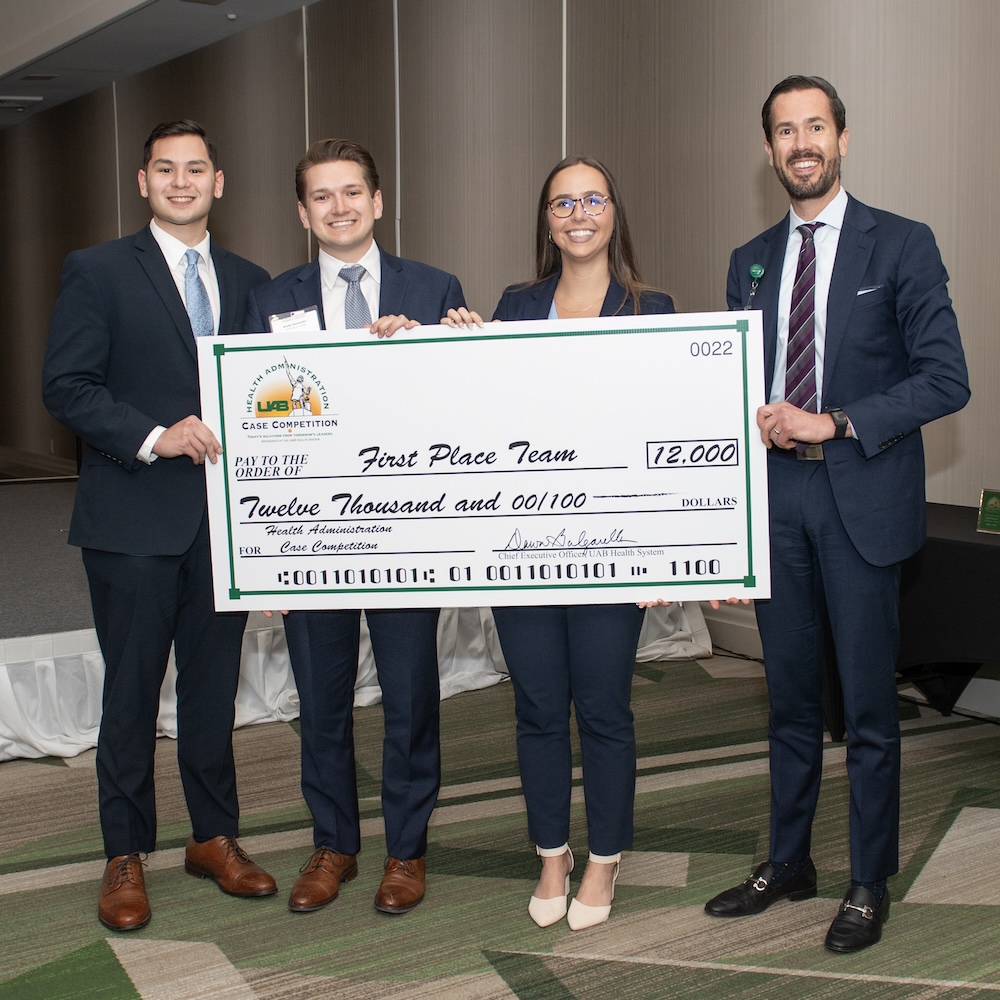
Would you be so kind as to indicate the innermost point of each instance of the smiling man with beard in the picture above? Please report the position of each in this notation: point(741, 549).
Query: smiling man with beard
point(861, 348)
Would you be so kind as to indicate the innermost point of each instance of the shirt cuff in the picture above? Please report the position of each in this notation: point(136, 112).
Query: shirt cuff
point(145, 453)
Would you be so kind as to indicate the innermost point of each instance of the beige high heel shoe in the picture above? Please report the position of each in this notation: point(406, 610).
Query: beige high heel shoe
point(546, 912)
point(580, 915)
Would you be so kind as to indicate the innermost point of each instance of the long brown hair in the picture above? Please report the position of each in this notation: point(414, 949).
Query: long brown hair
point(621, 255)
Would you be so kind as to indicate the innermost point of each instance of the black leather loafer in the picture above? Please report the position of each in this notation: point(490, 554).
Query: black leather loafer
point(759, 891)
point(858, 924)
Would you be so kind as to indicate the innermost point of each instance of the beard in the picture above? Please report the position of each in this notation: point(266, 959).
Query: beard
point(804, 190)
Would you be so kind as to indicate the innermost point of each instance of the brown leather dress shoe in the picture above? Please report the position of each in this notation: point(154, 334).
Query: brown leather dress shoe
point(402, 885)
point(320, 879)
point(227, 864)
point(123, 904)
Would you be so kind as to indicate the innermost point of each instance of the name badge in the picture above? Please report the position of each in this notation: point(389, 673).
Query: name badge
point(298, 321)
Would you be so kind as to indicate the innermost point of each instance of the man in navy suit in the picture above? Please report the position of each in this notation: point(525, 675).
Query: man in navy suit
point(355, 283)
point(846, 489)
point(120, 372)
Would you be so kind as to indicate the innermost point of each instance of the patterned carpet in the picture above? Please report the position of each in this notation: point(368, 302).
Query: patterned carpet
point(701, 822)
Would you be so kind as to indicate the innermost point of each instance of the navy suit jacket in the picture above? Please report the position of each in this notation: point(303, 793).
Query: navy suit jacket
point(416, 290)
point(120, 360)
point(534, 300)
point(893, 361)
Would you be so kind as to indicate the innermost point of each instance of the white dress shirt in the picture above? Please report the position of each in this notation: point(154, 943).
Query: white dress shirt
point(173, 253)
point(335, 287)
point(826, 238)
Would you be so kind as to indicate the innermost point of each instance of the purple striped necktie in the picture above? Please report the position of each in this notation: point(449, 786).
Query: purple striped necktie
point(800, 370)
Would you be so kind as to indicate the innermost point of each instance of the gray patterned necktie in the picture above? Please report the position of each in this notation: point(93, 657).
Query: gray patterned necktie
point(356, 311)
point(199, 309)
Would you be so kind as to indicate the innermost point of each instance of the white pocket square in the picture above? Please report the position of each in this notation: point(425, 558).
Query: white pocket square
point(869, 290)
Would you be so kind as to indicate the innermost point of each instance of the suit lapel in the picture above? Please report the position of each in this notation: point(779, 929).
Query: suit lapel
point(613, 298)
point(227, 290)
point(151, 260)
point(307, 290)
point(393, 287)
point(766, 299)
point(539, 298)
point(854, 252)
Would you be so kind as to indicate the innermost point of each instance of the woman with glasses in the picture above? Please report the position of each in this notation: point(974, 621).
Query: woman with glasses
point(584, 655)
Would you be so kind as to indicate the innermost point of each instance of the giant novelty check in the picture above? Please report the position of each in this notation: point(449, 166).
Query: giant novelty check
point(562, 462)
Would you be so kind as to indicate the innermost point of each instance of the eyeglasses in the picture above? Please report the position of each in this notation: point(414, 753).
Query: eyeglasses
point(592, 204)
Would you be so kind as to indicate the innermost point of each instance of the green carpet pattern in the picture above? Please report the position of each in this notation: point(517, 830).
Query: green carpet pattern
point(701, 824)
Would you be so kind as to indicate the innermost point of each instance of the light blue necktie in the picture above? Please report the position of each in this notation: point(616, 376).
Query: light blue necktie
point(356, 311)
point(199, 309)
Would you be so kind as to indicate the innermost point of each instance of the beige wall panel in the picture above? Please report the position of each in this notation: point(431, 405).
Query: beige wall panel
point(658, 91)
point(668, 92)
point(248, 93)
point(480, 125)
point(670, 96)
point(352, 89)
point(57, 185)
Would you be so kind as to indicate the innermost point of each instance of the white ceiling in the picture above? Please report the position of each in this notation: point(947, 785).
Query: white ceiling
point(85, 44)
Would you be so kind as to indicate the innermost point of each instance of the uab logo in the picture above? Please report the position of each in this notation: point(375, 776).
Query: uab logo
point(272, 406)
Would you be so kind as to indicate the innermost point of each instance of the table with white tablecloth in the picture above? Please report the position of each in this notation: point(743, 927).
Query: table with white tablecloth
point(50, 685)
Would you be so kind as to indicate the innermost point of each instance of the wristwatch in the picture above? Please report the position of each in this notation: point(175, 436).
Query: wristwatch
point(840, 423)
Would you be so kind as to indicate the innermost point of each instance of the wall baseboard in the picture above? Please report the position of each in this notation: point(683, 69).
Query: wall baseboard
point(17, 464)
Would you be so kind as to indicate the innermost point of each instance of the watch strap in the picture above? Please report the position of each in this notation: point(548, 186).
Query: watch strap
point(840, 422)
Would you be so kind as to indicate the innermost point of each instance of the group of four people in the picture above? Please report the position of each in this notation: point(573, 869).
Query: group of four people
point(861, 349)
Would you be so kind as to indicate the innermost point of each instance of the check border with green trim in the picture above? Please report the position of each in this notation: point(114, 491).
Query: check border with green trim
point(557, 462)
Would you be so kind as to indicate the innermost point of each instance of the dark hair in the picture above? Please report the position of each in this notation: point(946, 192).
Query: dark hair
point(330, 150)
point(185, 126)
point(791, 83)
point(621, 255)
